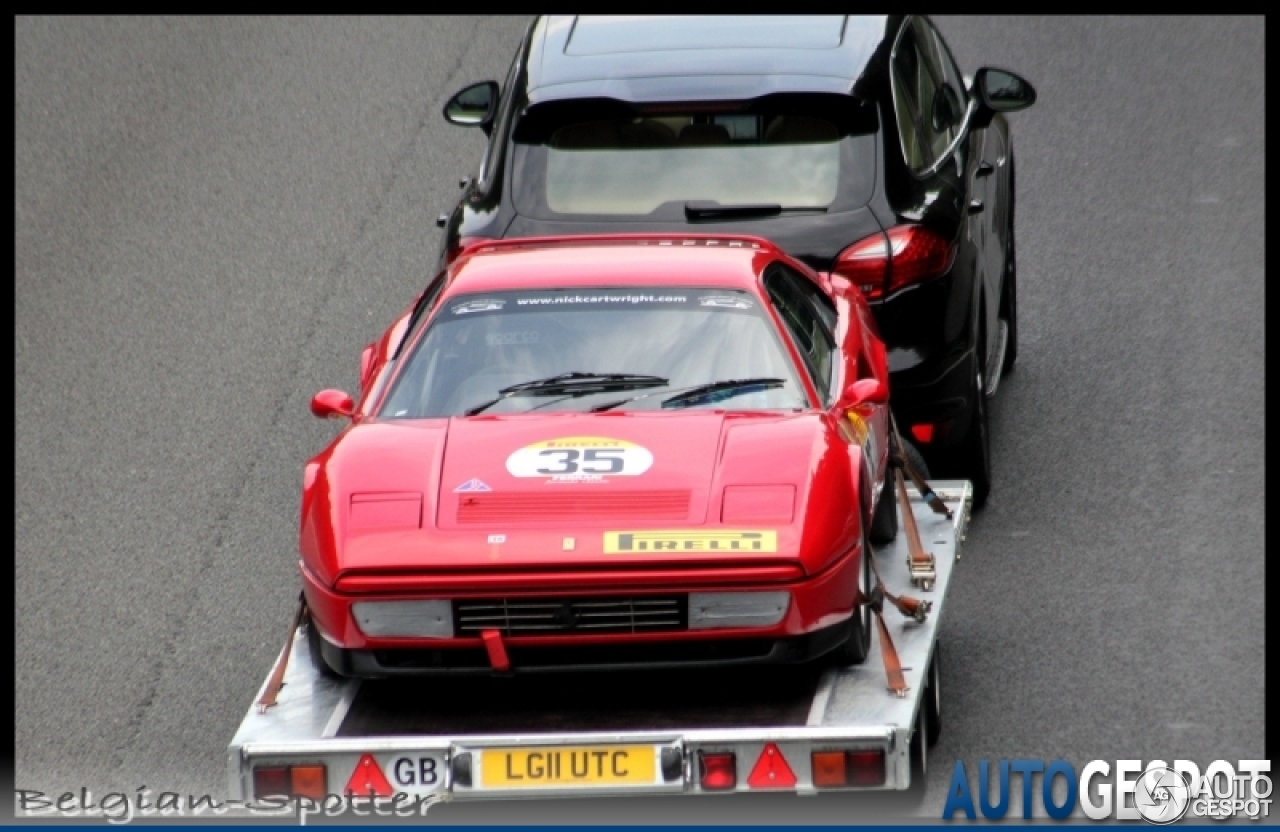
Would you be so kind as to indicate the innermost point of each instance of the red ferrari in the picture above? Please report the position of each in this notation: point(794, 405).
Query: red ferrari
point(604, 452)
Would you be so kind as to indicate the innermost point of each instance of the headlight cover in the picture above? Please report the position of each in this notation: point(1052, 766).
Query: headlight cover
point(404, 619)
point(737, 609)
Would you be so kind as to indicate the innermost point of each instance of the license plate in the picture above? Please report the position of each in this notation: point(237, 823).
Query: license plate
point(582, 767)
point(413, 773)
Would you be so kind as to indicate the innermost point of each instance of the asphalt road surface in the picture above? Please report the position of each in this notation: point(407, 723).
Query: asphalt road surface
point(213, 216)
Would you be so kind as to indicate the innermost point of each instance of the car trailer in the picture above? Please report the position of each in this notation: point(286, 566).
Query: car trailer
point(778, 728)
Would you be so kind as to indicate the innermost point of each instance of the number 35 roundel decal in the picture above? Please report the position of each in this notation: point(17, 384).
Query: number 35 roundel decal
point(580, 457)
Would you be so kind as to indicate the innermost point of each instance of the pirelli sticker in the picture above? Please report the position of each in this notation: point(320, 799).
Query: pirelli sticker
point(658, 542)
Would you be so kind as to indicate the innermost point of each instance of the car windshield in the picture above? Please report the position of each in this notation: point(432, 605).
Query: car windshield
point(652, 164)
point(608, 349)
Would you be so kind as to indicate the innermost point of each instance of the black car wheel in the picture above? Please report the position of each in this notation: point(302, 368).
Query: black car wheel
point(915, 459)
point(884, 523)
point(313, 648)
point(1009, 297)
point(932, 705)
point(919, 754)
point(857, 645)
point(973, 455)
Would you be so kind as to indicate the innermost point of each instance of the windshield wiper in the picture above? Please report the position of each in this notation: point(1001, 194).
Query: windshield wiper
point(720, 390)
point(573, 383)
point(715, 391)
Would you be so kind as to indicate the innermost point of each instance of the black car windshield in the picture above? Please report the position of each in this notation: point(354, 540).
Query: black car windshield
point(629, 164)
point(617, 349)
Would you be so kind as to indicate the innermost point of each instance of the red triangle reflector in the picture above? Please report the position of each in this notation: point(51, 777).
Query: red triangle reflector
point(368, 779)
point(771, 770)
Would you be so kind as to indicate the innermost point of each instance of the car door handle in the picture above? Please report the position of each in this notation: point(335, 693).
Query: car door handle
point(984, 169)
point(975, 206)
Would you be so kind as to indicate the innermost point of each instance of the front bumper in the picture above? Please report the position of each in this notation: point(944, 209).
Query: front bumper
point(652, 655)
point(815, 622)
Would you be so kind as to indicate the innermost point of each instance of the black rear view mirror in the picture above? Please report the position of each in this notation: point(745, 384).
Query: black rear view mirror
point(473, 106)
point(998, 91)
point(1002, 91)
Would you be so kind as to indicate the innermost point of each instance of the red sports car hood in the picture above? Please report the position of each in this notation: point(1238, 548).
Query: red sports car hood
point(586, 473)
point(580, 490)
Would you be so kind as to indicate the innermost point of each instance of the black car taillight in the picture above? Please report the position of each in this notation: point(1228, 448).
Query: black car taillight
point(905, 254)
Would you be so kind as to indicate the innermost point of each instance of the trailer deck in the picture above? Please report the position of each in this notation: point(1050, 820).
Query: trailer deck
point(633, 733)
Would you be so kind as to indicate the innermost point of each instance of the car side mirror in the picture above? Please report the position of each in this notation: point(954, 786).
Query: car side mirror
point(864, 391)
point(474, 106)
point(332, 404)
point(1002, 91)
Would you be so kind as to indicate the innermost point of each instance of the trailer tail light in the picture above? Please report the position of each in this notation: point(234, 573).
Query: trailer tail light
point(904, 255)
point(308, 781)
point(866, 768)
point(290, 781)
point(834, 769)
point(718, 771)
point(271, 782)
point(828, 769)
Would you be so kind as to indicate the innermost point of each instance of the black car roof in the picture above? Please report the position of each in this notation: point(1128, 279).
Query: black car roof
point(688, 58)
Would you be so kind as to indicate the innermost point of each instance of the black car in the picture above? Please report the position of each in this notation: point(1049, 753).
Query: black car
point(854, 143)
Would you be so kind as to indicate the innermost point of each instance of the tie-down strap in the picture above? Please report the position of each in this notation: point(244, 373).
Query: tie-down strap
point(922, 564)
point(899, 459)
point(908, 606)
point(276, 681)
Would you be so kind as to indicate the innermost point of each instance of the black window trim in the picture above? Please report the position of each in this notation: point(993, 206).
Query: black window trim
point(962, 129)
point(495, 154)
point(421, 312)
point(778, 270)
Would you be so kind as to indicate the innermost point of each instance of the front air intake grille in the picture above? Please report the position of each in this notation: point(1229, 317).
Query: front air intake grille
point(573, 504)
point(586, 616)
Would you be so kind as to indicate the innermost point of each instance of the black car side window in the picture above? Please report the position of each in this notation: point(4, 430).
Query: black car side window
point(928, 111)
point(828, 318)
point(951, 74)
point(905, 74)
point(806, 314)
point(947, 111)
